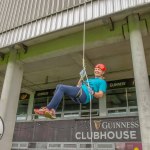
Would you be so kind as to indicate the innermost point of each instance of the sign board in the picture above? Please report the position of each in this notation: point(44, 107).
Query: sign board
point(124, 83)
point(126, 129)
point(109, 129)
point(1, 128)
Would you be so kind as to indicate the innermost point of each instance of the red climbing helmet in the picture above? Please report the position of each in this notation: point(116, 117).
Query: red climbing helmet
point(101, 66)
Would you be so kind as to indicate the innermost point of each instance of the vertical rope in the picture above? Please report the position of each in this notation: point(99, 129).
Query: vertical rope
point(84, 67)
point(83, 59)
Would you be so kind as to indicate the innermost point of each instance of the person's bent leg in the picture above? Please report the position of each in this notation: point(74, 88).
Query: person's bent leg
point(71, 91)
point(58, 95)
point(42, 111)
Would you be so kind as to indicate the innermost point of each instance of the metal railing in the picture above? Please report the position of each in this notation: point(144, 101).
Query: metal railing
point(65, 145)
point(111, 112)
point(122, 111)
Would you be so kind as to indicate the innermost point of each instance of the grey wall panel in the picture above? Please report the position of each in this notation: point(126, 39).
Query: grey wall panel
point(65, 4)
point(33, 10)
point(22, 12)
point(55, 5)
point(117, 5)
point(13, 13)
point(17, 12)
point(3, 6)
point(47, 7)
point(5, 15)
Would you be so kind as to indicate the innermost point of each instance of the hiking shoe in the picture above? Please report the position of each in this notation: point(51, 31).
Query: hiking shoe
point(50, 114)
point(41, 111)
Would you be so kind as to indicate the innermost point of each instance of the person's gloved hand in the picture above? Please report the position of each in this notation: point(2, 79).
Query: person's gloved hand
point(82, 74)
point(91, 91)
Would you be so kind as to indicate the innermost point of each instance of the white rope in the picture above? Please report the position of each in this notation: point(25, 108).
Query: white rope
point(84, 67)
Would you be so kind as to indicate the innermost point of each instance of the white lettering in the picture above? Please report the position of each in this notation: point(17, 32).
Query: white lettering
point(83, 137)
point(111, 133)
point(104, 125)
point(89, 135)
point(96, 135)
point(137, 124)
point(133, 134)
point(78, 133)
point(118, 135)
point(106, 135)
point(103, 135)
point(126, 135)
point(117, 84)
point(116, 125)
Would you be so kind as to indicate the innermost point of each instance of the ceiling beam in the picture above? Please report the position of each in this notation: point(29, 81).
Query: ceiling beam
point(26, 90)
point(78, 58)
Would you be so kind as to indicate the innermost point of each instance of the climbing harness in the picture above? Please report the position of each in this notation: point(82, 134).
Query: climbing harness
point(79, 94)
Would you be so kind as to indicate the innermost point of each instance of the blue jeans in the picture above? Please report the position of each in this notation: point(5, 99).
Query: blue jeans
point(70, 91)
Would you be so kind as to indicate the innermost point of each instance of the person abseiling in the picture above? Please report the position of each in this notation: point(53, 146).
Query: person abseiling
point(82, 93)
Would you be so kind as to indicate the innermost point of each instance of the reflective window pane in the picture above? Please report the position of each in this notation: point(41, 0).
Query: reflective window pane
point(132, 100)
point(40, 102)
point(70, 105)
point(22, 107)
point(116, 98)
point(23, 104)
point(42, 98)
point(95, 103)
point(85, 108)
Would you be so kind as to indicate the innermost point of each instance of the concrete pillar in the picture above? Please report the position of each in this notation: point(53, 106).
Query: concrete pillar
point(9, 99)
point(102, 106)
point(30, 107)
point(141, 79)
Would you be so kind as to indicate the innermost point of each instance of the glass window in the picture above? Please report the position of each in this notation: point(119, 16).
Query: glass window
point(116, 98)
point(23, 104)
point(95, 103)
point(40, 102)
point(71, 109)
point(132, 100)
point(70, 105)
point(22, 107)
point(42, 98)
point(86, 107)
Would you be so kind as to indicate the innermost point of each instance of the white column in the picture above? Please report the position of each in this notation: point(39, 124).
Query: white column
point(102, 106)
point(30, 106)
point(9, 99)
point(141, 79)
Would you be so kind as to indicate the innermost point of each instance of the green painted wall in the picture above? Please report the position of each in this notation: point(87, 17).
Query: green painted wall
point(101, 33)
point(96, 34)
